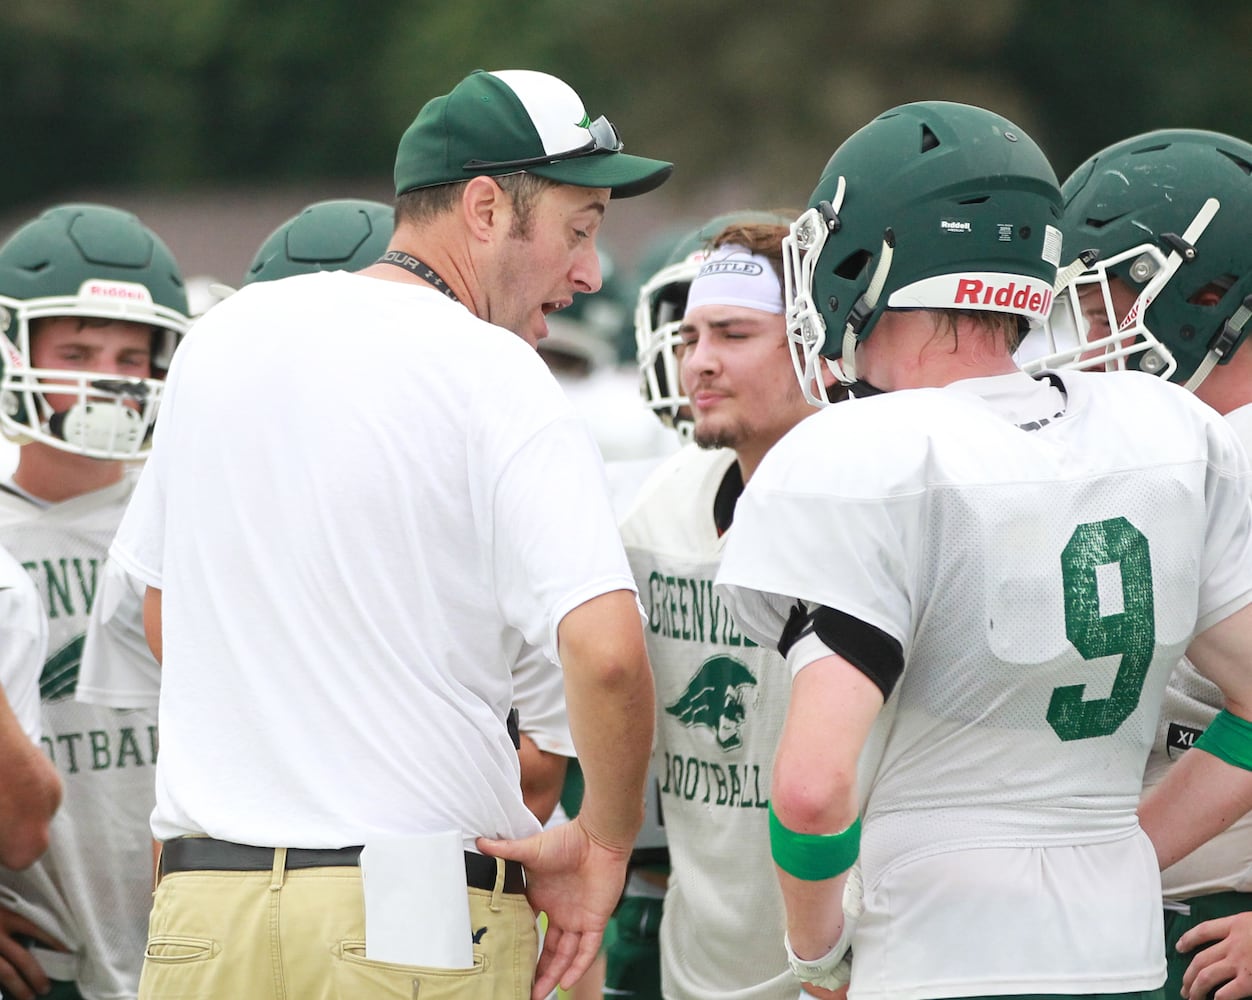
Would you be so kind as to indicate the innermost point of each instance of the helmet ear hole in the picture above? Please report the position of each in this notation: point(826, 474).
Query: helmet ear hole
point(854, 265)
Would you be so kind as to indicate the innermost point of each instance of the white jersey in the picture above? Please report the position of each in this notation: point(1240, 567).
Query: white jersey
point(118, 668)
point(23, 644)
point(539, 697)
point(354, 537)
point(1043, 559)
point(721, 700)
point(1223, 864)
point(93, 887)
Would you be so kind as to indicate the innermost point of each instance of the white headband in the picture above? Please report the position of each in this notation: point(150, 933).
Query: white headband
point(735, 276)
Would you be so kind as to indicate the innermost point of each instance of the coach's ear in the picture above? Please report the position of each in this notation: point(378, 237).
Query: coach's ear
point(486, 209)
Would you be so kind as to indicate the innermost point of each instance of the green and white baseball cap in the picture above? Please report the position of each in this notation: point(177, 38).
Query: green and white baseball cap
point(507, 121)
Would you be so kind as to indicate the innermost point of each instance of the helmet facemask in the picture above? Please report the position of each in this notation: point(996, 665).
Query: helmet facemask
point(1122, 338)
point(88, 263)
point(806, 327)
point(108, 416)
point(1166, 212)
point(658, 320)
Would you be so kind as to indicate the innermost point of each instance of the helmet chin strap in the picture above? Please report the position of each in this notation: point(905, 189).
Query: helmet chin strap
point(1222, 345)
point(1084, 262)
point(865, 305)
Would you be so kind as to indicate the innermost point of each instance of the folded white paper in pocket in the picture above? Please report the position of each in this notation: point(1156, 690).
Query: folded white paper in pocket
point(416, 906)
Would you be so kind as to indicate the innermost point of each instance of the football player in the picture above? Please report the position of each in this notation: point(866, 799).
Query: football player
point(95, 306)
point(982, 580)
point(720, 697)
point(345, 234)
point(1170, 293)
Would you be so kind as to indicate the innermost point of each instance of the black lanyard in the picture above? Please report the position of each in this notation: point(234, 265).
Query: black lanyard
point(423, 271)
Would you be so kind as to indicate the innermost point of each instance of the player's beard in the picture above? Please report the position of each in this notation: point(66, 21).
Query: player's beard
point(719, 435)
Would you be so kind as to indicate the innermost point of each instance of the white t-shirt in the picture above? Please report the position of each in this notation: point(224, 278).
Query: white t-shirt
point(994, 528)
point(362, 501)
point(118, 668)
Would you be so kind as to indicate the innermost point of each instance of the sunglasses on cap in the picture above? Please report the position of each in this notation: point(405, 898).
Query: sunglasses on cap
point(604, 139)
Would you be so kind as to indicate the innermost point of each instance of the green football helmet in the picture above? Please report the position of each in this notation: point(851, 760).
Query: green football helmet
point(1166, 214)
point(341, 235)
point(94, 262)
point(659, 309)
point(930, 206)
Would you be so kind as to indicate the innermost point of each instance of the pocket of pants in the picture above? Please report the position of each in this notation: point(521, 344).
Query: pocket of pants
point(166, 949)
point(357, 976)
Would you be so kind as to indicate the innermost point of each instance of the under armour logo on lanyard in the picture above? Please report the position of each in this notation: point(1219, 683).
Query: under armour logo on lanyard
point(424, 271)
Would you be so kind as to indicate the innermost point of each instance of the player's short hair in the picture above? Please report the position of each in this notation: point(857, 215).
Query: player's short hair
point(763, 238)
point(996, 325)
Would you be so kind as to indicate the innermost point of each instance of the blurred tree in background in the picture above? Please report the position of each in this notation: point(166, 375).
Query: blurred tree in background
point(172, 95)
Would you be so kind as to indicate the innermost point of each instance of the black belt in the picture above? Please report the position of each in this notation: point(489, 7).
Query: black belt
point(204, 854)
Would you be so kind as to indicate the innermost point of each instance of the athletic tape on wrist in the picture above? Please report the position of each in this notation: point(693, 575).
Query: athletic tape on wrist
point(813, 856)
point(1229, 738)
point(832, 971)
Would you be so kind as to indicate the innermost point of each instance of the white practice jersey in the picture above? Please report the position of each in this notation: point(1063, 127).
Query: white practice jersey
point(23, 644)
point(721, 700)
point(1044, 561)
point(118, 668)
point(1224, 864)
point(539, 698)
point(93, 888)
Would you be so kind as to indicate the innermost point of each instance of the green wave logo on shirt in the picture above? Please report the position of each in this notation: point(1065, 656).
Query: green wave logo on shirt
point(60, 673)
point(718, 697)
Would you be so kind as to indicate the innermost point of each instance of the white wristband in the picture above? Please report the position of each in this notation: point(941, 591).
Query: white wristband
point(832, 971)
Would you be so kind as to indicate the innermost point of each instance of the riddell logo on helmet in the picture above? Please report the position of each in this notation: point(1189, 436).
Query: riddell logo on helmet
point(116, 291)
point(1024, 297)
point(982, 290)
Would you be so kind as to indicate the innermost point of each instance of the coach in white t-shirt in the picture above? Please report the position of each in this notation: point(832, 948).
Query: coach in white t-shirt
point(367, 491)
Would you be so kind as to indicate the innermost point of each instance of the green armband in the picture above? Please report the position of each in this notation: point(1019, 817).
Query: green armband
point(1229, 738)
point(813, 856)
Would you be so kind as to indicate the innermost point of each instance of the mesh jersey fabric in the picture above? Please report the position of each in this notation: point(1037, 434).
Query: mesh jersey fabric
point(985, 525)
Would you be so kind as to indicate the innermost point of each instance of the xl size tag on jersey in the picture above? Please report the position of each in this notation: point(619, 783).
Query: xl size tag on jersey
point(1179, 739)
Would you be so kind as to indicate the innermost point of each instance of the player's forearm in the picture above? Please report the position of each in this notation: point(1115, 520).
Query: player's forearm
point(29, 794)
point(814, 913)
point(814, 907)
point(1199, 798)
point(609, 696)
point(813, 794)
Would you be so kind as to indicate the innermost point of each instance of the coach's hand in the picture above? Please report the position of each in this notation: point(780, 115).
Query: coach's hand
point(576, 880)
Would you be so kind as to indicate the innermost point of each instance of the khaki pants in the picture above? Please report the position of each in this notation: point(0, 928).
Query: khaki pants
point(300, 935)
